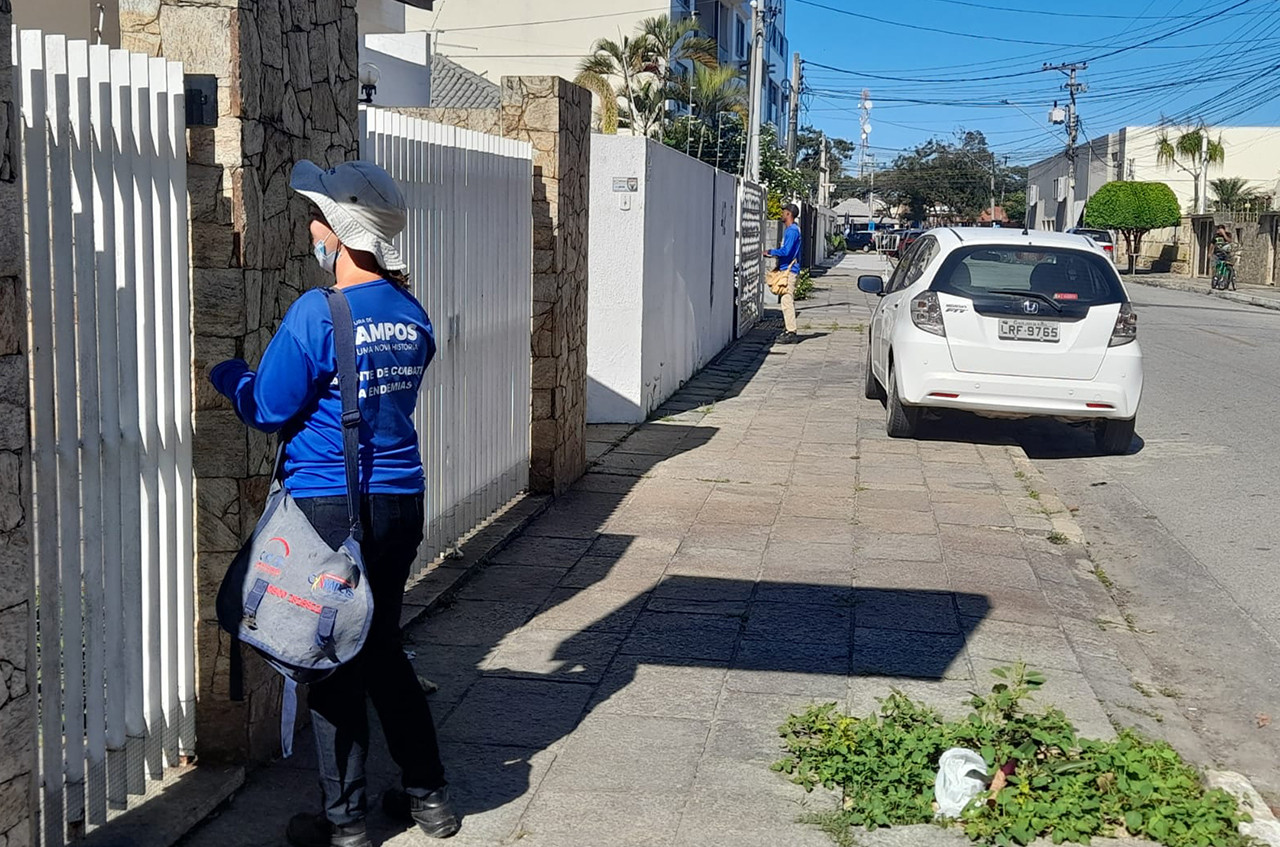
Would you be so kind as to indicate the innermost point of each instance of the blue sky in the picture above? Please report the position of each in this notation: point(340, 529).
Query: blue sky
point(1217, 61)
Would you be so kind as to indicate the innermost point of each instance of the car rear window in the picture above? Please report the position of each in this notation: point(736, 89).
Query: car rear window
point(1066, 276)
point(1096, 234)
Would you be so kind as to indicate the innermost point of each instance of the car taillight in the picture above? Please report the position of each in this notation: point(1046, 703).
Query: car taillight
point(1108, 247)
point(1126, 326)
point(926, 313)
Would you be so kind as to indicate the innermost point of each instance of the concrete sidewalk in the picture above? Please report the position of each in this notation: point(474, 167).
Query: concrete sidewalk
point(616, 675)
point(1262, 296)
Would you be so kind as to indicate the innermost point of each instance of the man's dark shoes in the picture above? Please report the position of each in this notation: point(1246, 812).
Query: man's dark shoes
point(788, 338)
point(308, 830)
point(432, 813)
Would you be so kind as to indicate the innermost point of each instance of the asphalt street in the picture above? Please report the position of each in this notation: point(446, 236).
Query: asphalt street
point(1186, 527)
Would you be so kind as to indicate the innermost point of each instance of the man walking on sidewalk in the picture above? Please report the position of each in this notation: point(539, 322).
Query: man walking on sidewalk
point(788, 255)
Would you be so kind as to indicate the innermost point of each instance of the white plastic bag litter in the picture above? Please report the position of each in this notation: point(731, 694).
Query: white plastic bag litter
point(962, 775)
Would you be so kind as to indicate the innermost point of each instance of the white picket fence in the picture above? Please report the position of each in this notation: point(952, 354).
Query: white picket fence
point(469, 245)
point(104, 154)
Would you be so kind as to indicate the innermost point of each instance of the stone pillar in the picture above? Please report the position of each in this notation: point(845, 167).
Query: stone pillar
point(554, 115)
point(287, 90)
point(17, 703)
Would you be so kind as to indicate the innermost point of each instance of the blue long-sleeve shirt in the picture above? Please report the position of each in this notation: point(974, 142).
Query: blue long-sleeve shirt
point(295, 389)
point(789, 253)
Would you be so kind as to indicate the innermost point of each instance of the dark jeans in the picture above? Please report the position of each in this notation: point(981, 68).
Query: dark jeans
point(392, 532)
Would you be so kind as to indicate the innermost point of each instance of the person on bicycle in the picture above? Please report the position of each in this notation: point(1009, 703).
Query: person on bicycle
point(1225, 249)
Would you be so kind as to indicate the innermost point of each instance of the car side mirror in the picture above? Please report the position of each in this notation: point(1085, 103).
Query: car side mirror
point(871, 284)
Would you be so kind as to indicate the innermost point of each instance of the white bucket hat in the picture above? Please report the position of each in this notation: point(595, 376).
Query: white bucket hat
point(361, 203)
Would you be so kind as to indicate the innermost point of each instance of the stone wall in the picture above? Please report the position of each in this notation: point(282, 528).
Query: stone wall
point(553, 115)
point(17, 702)
point(286, 73)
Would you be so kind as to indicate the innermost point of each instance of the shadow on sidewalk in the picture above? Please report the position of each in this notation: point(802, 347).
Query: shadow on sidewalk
point(1039, 438)
point(609, 636)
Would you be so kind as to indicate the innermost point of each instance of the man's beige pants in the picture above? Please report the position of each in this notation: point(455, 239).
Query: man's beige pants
point(789, 303)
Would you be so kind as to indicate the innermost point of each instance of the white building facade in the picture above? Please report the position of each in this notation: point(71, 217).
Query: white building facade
point(1252, 153)
point(497, 38)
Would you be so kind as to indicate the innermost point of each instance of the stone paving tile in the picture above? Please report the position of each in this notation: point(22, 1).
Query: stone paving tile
point(594, 818)
point(817, 670)
point(796, 556)
point(683, 636)
point(568, 655)
point(784, 622)
point(1063, 689)
point(491, 787)
point(582, 609)
point(748, 504)
point(825, 530)
point(832, 502)
point(1042, 647)
point(904, 547)
point(612, 574)
point(511, 584)
point(726, 536)
point(988, 542)
point(474, 622)
point(972, 515)
point(548, 711)
point(1007, 604)
point(542, 552)
point(917, 611)
point(919, 655)
point(889, 500)
point(660, 687)
point(974, 571)
point(716, 563)
point(890, 573)
point(894, 521)
point(804, 588)
point(618, 752)
point(950, 697)
point(702, 589)
point(714, 818)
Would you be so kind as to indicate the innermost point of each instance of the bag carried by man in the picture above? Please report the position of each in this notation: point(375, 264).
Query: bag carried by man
point(779, 281)
point(303, 606)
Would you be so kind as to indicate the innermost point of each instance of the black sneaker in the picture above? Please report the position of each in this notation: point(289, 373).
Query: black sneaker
point(309, 830)
point(432, 813)
point(787, 338)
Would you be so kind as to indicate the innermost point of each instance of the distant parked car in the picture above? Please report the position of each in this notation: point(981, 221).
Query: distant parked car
point(905, 240)
point(860, 240)
point(1006, 325)
point(1098, 236)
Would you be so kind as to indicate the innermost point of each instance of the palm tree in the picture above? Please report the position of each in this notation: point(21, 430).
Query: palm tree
point(1232, 191)
point(646, 65)
point(1186, 148)
point(712, 92)
point(626, 59)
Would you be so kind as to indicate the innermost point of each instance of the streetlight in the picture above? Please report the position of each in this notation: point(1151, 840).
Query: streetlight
point(369, 77)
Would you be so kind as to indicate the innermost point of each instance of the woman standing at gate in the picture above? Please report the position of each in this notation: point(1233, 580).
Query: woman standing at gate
point(358, 210)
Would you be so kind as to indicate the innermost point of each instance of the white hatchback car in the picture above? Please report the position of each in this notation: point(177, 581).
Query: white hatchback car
point(1005, 323)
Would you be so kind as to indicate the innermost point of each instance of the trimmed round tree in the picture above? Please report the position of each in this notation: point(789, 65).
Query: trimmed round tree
point(1133, 209)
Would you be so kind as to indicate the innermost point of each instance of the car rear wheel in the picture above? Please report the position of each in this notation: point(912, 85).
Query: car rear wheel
point(866, 248)
point(871, 386)
point(1113, 437)
point(900, 421)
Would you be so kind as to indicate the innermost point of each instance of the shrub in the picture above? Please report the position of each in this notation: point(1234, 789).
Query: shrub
point(804, 285)
point(1134, 209)
point(1059, 785)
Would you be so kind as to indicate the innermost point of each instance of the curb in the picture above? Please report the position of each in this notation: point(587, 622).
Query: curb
point(1265, 828)
point(1192, 288)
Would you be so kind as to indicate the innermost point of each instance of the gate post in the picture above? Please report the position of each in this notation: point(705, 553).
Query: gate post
point(287, 90)
point(17, 704)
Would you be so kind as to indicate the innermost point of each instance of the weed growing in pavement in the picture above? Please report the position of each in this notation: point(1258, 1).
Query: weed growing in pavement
point(1103, 577)
point(1019, 475)
point(1046, 780)
point(1033, 494)
point(1056, 537)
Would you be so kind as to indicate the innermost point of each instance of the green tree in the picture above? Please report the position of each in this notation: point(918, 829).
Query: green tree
point(784, 183)
point(1183, 152)
point(720, 142)
point(634, 76)
point(950, 181)
point(840, 151)
point(1232, 191)
point(1133, 209)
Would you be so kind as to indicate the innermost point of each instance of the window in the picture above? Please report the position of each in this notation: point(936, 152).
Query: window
point(913, 263)
point(1063, 276)
point(740, 38)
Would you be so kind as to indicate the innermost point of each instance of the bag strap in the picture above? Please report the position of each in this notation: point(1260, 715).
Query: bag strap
point(344, 343)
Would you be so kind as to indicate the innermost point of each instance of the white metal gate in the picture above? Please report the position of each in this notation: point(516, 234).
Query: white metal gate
point(750, 281)
point(104, 171)
point(469, 245)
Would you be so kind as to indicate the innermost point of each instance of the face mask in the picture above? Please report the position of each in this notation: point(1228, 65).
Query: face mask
point(326, 259)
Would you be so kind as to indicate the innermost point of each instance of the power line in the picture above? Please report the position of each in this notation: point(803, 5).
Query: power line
point(555, 20)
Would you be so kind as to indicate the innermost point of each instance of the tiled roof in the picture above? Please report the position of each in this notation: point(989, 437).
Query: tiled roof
point(455, 87)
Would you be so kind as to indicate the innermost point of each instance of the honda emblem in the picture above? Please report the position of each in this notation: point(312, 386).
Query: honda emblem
point(1030, 307)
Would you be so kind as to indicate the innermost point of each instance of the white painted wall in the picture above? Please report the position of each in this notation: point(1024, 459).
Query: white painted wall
point(660, 303)
point(404, 62)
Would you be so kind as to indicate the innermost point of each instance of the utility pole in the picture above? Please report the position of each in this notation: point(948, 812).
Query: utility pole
point(823, 184)
point(871, 196)
point(1073, 126)
point(864, 119)
point(755, 88)
point(793, 113)
point(1202, 184)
